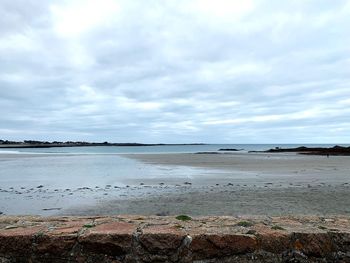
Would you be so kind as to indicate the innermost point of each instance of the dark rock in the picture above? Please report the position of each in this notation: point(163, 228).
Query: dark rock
point(209, 246)
point(336, 150)
point(230, 150)
point(114, 238)
point(161, 239)
point(207, 153)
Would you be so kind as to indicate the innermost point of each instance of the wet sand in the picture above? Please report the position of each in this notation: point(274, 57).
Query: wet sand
point(241, 184)
point(195, 184)
point(262, 163)
point(228, 200)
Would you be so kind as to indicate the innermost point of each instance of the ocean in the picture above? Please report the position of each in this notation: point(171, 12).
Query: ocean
point(158, 149)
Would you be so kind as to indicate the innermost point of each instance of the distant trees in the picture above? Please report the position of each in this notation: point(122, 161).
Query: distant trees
point(7, 142)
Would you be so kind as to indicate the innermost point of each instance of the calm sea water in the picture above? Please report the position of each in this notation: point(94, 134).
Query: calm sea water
point(159, 149)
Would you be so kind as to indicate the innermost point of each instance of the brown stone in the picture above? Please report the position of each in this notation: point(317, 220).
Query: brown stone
point(274, 241)
point(209, 246)
point(161, 239)
point(313, 244)
point(68, 228)
point(165, 239)
point(18, 240)
point(113, 238)
point(54, 245)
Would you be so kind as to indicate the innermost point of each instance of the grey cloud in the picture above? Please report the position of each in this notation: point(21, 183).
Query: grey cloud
point(174, 71)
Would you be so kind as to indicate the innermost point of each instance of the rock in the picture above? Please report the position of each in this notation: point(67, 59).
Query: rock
point(207, 153)
point(230, 150)
point(53, 208)
point(161, 239)
point(209, 246)
point(131, 239)
point(311, 244)
point(113, 238)
point(336, 150)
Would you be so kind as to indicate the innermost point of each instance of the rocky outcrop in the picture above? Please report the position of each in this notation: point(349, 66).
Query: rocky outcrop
point(166, 239)
point(230, 150)
point(336, 150)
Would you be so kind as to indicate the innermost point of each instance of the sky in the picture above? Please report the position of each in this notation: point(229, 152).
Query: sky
point(175, 71)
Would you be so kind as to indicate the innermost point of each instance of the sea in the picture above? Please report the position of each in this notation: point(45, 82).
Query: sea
point(158, 149)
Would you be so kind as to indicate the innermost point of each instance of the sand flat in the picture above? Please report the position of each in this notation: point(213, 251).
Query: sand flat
point(170, 184)
point(292, 167)
point(276, 163)
point(250, 184)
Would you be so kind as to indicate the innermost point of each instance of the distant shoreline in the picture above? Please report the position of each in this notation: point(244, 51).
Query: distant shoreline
point(37, 144)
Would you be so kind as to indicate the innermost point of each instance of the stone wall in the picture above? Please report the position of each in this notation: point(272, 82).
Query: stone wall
point(167, 239)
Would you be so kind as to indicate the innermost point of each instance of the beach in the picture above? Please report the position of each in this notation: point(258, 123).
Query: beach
point(250, 184)
point(174, 183)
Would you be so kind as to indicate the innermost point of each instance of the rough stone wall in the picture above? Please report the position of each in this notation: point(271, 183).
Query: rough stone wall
point(167, 239)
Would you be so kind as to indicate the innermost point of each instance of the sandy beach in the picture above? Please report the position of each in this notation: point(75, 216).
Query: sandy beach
point(170, 184)
point(241, 184)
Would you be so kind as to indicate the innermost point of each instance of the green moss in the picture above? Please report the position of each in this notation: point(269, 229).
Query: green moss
point(322, 227)
point(183, 217)
point(245, 223)
point(276, 227)
point(89, 225)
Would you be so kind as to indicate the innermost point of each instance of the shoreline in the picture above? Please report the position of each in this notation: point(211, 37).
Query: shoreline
point(197, 184)
point(19, 145)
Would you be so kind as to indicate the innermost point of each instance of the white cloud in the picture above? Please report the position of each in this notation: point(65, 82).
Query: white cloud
point(77, 17)
point(223, 9)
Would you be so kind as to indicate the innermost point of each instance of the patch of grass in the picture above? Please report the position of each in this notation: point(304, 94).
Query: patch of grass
point(140, 218)
point(276, 227)
point(183, 217)
point(322, 227)
point(89, 225)
point(245, 223)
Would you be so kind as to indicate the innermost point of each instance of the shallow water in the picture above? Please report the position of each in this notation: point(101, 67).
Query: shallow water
point(73, 171)
point(37, 184)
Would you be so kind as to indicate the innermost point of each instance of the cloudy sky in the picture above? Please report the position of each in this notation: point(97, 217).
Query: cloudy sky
point(252, 71)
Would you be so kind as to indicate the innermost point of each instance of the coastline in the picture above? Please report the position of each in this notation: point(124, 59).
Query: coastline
point(249, 184)
point(196, 184)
